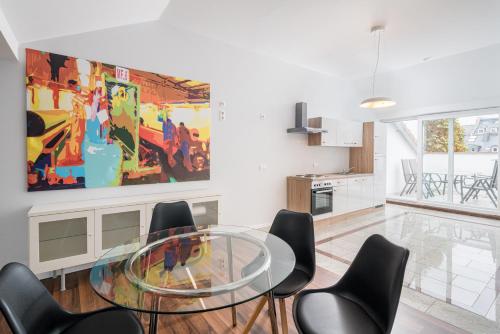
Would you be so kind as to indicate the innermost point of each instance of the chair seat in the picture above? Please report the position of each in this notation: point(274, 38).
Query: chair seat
point(324, 312)
point(112, 321)
point(295, 282)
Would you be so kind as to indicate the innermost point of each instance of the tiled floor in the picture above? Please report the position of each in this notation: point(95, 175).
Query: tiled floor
point(453, 271)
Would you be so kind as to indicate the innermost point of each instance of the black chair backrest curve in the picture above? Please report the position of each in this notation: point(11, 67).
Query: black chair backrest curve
point(375, 279)
point(25, 302)
point(171, 215)
point(297, 229)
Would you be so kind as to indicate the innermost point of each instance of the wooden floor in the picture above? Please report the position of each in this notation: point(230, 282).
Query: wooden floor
point(79, 297)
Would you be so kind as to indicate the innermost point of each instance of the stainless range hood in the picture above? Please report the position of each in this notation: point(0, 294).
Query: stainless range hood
point(301, 121)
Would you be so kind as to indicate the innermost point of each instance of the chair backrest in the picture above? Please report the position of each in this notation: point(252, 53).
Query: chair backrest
point(413, 166)
point(168, 216)
point(494, 175)
point(25, 302)
point(375, 279)
point(297, 230)
point(406, 169)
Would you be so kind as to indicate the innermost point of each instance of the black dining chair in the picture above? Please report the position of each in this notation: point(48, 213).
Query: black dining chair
point(29, 308)
point(365, 299)
point(297, 230)
point(170, 215)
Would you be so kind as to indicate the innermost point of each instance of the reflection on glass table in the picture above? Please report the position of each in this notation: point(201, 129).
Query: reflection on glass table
point(190, 270)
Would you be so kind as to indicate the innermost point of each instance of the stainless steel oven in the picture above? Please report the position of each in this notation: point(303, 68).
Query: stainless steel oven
point(321, 197)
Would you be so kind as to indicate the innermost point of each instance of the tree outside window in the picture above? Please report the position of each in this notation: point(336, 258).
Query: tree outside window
point(436, 136)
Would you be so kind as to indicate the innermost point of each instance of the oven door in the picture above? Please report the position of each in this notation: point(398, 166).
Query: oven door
point(321, 201)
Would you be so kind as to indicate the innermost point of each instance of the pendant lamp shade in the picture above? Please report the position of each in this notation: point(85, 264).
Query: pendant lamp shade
point(376, 102)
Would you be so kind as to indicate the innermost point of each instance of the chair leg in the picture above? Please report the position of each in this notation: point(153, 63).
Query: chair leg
point(284, 322)
point(255, 314)
point(233, 314)
point(404, 189)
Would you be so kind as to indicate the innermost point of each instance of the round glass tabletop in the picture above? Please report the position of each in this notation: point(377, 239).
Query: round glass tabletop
point(189, 270)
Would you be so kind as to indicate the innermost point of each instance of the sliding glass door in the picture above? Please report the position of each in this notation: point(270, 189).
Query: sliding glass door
point(455, 161)
point(435, 148)
point(476, 161)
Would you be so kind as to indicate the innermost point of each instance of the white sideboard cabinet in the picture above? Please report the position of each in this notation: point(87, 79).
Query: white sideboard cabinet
point(73, 234)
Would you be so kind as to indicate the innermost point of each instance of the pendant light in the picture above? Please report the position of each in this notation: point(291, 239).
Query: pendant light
point(376, 102)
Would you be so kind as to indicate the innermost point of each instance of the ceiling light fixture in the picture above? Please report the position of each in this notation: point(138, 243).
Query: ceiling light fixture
point(376, 102)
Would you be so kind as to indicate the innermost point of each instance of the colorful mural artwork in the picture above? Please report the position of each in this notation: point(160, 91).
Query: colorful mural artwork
point(92, 124)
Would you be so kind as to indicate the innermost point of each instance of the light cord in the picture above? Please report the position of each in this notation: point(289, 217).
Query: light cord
point(376, 64)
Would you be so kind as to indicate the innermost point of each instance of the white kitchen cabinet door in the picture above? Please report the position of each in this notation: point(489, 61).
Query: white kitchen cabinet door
point(379, 172)
point(379, 139)
point(329, 138)
point(356, 134)
point(355, 197)
point(349, 134)
point(367, 192)
point(340, 199)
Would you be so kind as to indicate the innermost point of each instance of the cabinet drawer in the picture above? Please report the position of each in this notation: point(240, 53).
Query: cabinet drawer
point(340, 182)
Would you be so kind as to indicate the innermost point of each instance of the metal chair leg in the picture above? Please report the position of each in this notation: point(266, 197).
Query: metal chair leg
point(255, 314)
point(284, 322)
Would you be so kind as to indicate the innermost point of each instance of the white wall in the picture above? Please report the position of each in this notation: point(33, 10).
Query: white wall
point(248, 83)
point(467, 80)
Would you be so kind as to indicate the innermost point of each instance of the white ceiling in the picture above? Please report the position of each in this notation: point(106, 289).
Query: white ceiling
point(330, 36)
point(333, 35)
point(41, 19)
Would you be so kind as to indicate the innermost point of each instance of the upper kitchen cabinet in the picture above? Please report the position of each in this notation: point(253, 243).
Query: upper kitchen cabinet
point(342, 133)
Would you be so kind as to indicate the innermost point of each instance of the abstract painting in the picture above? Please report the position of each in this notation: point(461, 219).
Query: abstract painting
point(92, 124)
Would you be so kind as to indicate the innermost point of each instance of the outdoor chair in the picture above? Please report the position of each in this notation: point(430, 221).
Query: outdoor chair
point(481, 183)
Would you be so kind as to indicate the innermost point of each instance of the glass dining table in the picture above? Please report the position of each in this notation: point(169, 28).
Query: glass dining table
point(193, 269)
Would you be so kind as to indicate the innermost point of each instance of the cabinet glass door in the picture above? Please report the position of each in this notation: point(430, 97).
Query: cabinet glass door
point(62, 238)
point(117, 228)
point(118, 225)
point(206, 212)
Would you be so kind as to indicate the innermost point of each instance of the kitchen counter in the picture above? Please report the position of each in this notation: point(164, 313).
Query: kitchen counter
point(328, 176)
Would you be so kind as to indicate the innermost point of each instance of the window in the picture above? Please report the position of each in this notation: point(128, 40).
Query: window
point(454, 150)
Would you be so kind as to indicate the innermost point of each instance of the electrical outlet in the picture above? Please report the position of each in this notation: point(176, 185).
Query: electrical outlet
point(222, 115)
point(222, 110)
point(262, 167)
point(262, 116)
point(315, 164)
